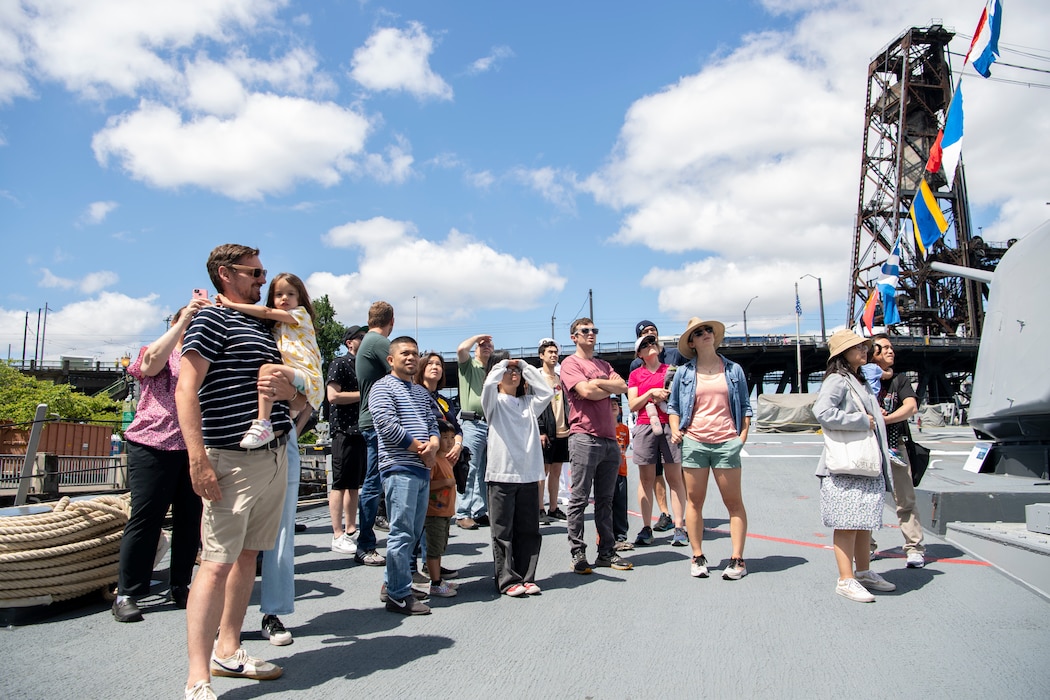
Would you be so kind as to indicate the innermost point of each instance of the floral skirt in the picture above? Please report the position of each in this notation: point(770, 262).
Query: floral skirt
point(851, 502)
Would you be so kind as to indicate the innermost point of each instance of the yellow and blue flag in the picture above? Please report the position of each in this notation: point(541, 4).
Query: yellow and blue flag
point(927, 220)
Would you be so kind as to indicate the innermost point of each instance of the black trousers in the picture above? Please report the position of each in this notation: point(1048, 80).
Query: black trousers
point(620, 521)
point(158, 479)
point(514, 513)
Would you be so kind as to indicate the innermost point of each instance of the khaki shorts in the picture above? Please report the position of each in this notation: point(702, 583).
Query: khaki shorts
point(248, 516)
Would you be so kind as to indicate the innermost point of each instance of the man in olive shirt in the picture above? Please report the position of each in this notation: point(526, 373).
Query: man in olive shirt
point(371, 365)
point(472, 505)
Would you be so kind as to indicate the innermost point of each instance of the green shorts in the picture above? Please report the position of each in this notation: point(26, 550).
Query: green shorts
point(704, 455)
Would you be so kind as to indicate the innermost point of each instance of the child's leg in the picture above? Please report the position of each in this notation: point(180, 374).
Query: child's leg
point(265, 399)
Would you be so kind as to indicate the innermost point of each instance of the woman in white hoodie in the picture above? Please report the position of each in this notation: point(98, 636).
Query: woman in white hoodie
point(514, 468)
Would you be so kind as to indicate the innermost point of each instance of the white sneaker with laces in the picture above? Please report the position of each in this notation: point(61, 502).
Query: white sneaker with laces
point(260, 433)
point(916, 560)
point(344, 544)
point(873, 582)
point(851, 588)
point(698, 567)
point(201, 690)
point(240, 665)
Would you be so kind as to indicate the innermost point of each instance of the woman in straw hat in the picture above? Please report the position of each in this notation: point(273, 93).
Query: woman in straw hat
point(710, 414)
point(851, 504)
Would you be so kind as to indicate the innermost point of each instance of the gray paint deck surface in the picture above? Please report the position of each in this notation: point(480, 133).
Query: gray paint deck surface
point(957, 628)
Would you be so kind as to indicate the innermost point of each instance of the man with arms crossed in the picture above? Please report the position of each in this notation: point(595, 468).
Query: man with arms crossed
point(243, 490)
point(472, 507)
point(407, 431)
point(593, 451)
point(349, 450)
point(372, 365)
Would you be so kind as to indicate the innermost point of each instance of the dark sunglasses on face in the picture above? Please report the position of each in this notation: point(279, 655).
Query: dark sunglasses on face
point(586, 331)
point(703, 329)
point(648, 342)
point(255, 271)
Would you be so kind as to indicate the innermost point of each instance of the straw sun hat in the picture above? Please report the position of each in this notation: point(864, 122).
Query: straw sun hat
point(841, 341)
point(694, 323)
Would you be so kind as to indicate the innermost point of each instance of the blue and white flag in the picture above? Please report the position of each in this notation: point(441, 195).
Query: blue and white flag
point(887, 285)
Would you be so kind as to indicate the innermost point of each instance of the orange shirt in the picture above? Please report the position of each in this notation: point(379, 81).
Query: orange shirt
point(623, 436)
point(443, 499)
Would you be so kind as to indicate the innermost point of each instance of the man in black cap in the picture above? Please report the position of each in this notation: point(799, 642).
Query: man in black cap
point(672, 357)
point(349, 450)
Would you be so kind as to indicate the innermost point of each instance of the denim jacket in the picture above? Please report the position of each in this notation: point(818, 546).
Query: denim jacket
point(683, 393)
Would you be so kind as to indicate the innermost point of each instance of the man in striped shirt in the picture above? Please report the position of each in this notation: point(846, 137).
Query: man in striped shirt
point(407, 434)
point(243, 490)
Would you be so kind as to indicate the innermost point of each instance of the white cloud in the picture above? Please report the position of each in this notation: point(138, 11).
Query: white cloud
point(490, 62)
point(270, 144)
point(97, 212)
point(97, 281)
point(51, 280)
point(399, 60)
point(115, 46)
point(378, 232)
point(555, 185)
point(104, 327)
point(13, 80)
point(749, 168)
point(396, 265)
point(91, 283)
point(396, 167)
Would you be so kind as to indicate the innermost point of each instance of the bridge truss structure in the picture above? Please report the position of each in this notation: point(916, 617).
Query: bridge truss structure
point(909, 90)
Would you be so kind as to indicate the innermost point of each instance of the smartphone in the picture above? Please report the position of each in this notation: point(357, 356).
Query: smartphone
point(200, 294)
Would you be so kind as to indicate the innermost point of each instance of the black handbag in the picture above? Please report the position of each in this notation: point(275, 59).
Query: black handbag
point(919, 457)
point(460, 470)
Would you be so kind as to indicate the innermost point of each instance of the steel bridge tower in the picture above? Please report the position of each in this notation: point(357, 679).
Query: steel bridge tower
point(909, 90)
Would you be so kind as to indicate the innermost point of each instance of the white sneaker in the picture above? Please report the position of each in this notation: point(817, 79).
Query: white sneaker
point(851, 588)
point(344, 544)
point(698, 567)
point(916, 560)
point(201, 690)
point(260, 433)
point(873, 582)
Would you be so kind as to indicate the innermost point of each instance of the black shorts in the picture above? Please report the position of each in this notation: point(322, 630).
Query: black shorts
point(557, 451)
point(349, 460)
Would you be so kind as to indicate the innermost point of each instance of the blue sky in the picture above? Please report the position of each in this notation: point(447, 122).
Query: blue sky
point(488, 164)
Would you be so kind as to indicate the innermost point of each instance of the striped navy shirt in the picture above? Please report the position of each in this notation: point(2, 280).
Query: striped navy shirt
point(401, 412)
point(236, 346)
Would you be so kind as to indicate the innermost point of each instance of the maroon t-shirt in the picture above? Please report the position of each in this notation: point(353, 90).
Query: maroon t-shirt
point(585, 416)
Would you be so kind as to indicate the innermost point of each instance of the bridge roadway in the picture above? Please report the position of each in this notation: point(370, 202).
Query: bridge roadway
point(955, 629)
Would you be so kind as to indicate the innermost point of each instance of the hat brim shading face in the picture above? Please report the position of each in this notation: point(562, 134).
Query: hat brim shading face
point(841, 341)
point(694, 323)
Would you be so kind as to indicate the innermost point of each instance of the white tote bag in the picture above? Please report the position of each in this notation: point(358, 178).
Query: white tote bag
point(852, 451)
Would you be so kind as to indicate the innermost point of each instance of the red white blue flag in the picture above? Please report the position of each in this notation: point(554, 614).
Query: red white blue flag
point(984, 48)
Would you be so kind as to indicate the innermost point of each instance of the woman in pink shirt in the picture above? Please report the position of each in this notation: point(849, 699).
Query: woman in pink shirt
point(710, 414)
point(647, 396)
point(158, 476)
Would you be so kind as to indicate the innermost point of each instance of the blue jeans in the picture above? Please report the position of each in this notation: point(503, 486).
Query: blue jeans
point(277, 588)
point(474, 501)
point(368, 499)
point(407, 496)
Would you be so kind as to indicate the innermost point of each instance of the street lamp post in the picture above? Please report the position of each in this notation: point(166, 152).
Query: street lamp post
point(747, 339)
point(820, 297)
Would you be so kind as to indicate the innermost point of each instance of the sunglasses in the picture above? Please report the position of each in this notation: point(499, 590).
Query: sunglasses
point(648, 342)
point(701, 330)
point(515, 370)
point(256, 272)
point(586, 331)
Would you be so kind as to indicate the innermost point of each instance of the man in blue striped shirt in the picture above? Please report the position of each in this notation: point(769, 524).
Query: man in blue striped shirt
point(407, 433)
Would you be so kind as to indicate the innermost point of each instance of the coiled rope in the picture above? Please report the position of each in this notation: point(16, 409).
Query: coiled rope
point(73, 550)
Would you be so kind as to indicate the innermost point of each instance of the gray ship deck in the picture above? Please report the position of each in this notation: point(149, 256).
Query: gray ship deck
point(956, 628)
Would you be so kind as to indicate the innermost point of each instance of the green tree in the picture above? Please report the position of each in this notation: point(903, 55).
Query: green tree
point(20, 394)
